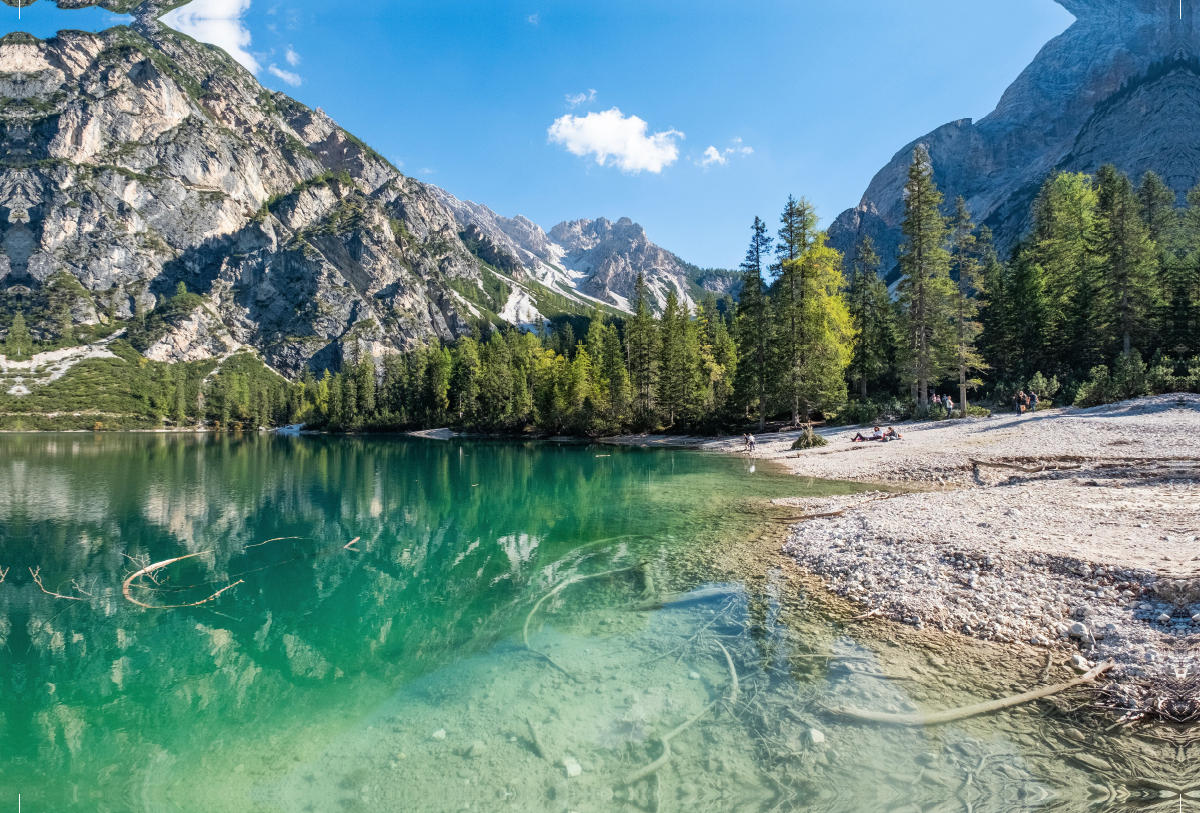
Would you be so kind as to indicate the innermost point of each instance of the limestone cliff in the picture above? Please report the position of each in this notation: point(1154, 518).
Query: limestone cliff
point(1121, 85)
point(136, 159)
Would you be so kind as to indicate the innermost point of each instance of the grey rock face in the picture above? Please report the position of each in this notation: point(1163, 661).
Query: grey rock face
point(136, 159)
point(1121, 85)
point(589, 260)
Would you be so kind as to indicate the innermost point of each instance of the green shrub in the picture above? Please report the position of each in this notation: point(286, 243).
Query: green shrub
point(809, 439)
point(978, 412)
point(937, 412)
point(1045, 388)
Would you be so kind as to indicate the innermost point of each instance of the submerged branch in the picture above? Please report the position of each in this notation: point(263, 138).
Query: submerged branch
point(972, 711)
point(149, 570)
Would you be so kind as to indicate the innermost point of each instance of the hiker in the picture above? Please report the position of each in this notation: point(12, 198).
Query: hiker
point(1033, 401)
point(745, 442)
point(949, 404)
point(1020, 399)
point(937, 399)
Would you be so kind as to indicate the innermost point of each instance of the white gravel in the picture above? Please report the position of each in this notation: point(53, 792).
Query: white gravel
point(1099, 557)
point(1011, 556)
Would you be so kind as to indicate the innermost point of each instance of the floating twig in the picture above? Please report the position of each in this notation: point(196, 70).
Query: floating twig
point(347, 546)
point(977, 709)
point(37, 579)
point(149, 570)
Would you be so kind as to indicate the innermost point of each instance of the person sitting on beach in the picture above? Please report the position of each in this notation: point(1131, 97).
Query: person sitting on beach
point(892, 434)
point(876, 435)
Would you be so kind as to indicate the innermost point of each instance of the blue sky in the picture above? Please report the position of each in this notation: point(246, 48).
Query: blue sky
point(737, 104)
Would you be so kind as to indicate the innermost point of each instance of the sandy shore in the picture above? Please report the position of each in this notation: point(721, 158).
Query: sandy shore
point(1097, 555)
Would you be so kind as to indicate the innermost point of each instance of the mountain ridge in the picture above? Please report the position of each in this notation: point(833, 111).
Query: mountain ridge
point(1120, 85)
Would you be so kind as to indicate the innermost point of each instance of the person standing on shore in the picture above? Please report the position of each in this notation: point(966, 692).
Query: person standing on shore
point(1033, 401)
point(750, 439)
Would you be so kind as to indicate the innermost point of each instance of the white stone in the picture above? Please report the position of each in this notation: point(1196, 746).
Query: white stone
point(440, 734)
point(815, 737)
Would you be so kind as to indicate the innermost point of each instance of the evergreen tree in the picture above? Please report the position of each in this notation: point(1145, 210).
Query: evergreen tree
point(964, 271)
point(615, 374)
point(997, 336)
point(672, 367)
point(364, 381)
point(495, 382)
point(924, 287)
point(1055, 283)
point(641, 336)
point(797, 231)
point(1126, 255)
point(754, 320)
point(18, 345)
point(464, 384)
point(180, 395)
point(1182, 329)
point(873, 316)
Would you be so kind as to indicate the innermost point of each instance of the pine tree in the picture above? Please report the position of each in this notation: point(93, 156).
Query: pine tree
point(614, 372)
point(924, 287)
point(964, 271)
point(18, 345)
point(180, 395)
point(797, 231)
point(1183, 318)
point(754, 320)
point(673, 362)
point(1055, 285)
point(464, 384)
point(1126, 255)
point(495, 382)
point(997, 335)
point(873, 315)
point(641, 336)
point(364, 381)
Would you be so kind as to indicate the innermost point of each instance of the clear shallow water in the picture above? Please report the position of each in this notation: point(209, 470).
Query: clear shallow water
point(393, 674)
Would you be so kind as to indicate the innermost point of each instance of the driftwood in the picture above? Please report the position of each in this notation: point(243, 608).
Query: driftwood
point(803, 517)
point(977, 709)
point(555, 591)
point(149, 570)
point(1026, 469)
point(537, 742)
point(665, 739)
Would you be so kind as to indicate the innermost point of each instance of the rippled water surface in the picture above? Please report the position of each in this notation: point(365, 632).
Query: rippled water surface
point(516, 627)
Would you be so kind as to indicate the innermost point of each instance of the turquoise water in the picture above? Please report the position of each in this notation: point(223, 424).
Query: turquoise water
point(516, 627)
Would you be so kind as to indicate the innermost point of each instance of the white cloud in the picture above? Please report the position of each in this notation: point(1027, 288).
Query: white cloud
point(292, 57)
point(577, 99)
point(218, 22)
point(711, 156)
point(714, 156)
point(623, 139)
point(533, 19)
point(295, 80)
point(428, 171)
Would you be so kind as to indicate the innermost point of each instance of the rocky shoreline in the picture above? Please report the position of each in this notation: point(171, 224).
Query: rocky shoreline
point(1071, 530)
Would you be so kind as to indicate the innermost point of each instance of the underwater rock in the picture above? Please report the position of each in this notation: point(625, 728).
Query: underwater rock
point(440, 734)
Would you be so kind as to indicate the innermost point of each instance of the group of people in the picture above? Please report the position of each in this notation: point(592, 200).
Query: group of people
point(946, 402)
point(1025, 401)
point(748, 443)
point(879, 435)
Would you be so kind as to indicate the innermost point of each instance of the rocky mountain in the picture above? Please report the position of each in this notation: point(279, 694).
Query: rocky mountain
point(138, 160)
point(1121, 85)
point(592, 261)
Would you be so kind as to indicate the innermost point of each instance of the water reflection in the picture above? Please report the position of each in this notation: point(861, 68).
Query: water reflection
point(313, 674)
